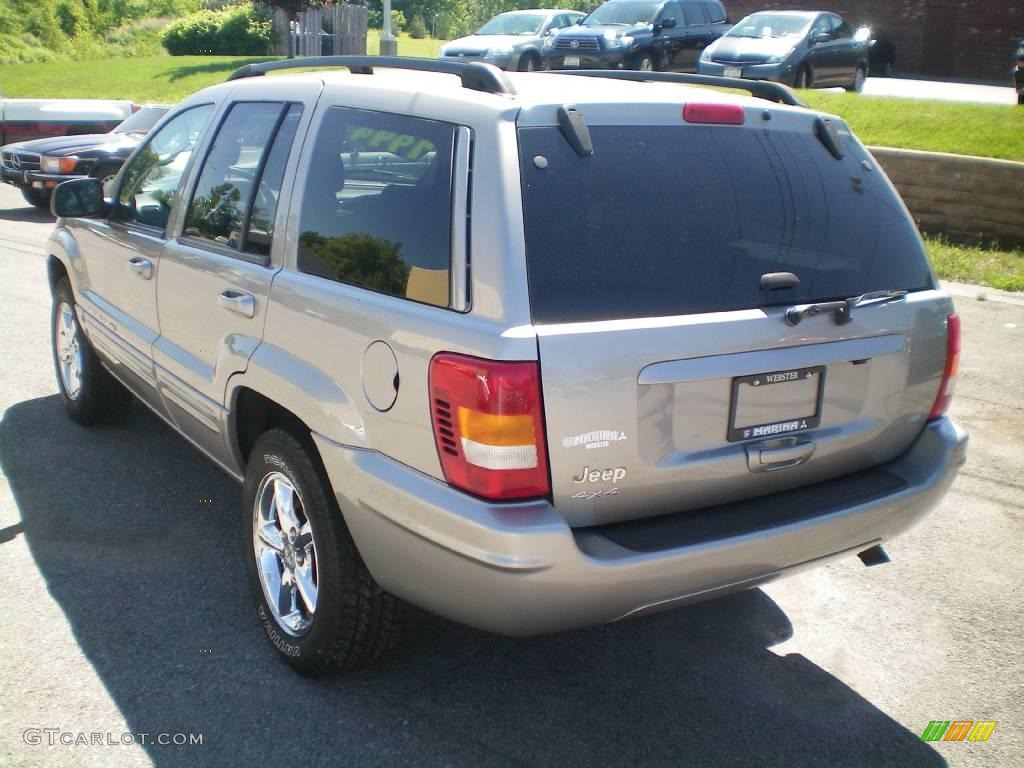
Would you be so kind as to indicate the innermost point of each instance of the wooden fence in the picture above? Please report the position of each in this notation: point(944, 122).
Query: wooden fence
point(333, 29)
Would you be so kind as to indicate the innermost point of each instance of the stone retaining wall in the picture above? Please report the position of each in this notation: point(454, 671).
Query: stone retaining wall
point(967, 198)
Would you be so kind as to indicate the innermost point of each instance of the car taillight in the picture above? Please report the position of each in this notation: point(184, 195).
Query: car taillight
point(714, 114)
point(489, 426)
point(952, 368)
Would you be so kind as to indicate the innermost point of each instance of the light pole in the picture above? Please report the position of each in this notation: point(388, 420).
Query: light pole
point(388, 43)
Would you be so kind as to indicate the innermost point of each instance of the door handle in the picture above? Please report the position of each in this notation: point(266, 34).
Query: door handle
point(790, 453)
point(141, 267)
point(242, 303)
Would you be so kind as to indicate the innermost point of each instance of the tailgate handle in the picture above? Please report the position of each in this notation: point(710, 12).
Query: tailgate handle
point(789, 454)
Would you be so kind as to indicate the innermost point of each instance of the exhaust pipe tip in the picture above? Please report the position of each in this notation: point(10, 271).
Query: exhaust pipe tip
point(874, 556)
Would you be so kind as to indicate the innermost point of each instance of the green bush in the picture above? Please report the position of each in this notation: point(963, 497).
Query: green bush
point(234, 30)
point(417, 28)
point(23, 49)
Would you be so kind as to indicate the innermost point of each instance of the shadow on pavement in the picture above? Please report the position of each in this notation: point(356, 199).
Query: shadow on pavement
point(149, 574)
point(26, 213)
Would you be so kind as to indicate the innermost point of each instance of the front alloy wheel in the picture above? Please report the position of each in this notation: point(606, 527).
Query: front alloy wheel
point(286, 554)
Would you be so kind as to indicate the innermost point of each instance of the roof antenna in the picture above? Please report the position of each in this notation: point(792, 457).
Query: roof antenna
point(575, 130)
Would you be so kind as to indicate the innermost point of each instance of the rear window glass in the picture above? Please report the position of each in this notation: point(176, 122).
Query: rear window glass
point(666, 220)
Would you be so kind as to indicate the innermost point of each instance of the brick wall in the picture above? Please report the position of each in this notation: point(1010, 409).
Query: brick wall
point(967, 198)
point(957, 38)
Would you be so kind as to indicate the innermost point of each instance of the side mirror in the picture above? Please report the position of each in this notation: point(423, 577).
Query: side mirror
point(821, 37)
point(82, 198)
point(667, 23)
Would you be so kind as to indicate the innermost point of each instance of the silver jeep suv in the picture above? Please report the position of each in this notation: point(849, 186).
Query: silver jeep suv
point(530, 351)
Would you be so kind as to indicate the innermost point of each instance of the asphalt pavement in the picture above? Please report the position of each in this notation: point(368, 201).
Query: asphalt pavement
point(126, 612)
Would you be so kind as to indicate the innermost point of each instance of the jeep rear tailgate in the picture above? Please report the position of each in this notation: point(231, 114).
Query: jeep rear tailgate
point(671, 380)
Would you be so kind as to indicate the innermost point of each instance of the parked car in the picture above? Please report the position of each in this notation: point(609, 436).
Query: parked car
point(639, 34)
point(36, 167)
point(1018, 73)
point(805, 49)
point(512, 40)
point(27, 119)
point(644, 392)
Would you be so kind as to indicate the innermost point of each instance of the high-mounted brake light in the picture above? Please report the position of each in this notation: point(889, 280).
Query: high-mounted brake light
point(489, 426)
point(952, 368)
point(714, 114)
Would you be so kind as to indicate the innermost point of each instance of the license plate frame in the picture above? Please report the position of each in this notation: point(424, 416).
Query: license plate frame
point(571, 61)
point(794, 424)
point(733, 72)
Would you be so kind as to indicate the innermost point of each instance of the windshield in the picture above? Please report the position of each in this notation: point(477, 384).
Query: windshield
point(142, 120)
point(513, 24)
point(771, 25)
point(626, 14)
point(716, 210)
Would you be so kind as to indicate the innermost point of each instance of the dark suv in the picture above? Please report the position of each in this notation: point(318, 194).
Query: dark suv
point(639, 34)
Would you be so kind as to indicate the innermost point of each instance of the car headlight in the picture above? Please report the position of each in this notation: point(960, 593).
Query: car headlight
point(58, 164)
point(549, 42)
point(613, 41)
point(705, 55)
point(778, 59)
point(500, 50)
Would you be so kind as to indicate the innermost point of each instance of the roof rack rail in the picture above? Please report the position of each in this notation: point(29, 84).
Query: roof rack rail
point(474, 74)
point(762, 89)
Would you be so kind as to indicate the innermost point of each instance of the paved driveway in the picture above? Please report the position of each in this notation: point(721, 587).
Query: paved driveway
point(125, 611)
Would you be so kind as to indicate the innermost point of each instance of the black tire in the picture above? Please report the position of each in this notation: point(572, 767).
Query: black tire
point(804, 77)
point(354, 621)
point(1020, 99)
point(859, 78)
point(101, 399)
point(106, 173)
point(529, 62)
point(40, 198)
point(645, 62)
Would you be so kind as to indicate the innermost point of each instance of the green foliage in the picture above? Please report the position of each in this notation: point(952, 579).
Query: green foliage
point(235, 30)
point(23, 49)
point(397, 22)
point(417, 28)
point(993, 266)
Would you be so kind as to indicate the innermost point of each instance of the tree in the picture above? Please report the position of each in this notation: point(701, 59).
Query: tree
point(292, 9)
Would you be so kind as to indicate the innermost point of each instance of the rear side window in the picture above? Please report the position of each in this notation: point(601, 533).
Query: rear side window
point(236, 197)
point(666, 220)
point(377, 207)
point(715, 12)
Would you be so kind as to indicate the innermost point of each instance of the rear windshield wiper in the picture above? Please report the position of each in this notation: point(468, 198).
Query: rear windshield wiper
point(843, 309)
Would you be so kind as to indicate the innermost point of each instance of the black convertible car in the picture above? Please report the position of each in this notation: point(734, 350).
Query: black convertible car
point(39, 165)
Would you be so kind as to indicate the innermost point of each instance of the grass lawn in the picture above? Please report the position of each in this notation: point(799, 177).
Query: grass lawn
point(983, 266)
point(986, 130)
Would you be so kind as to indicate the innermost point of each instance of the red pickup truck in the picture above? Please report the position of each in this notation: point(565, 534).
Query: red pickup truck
point(24, 119)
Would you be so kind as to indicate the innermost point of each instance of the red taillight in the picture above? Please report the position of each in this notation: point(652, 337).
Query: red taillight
point(714, 114)
point(489, 426)
point(952, 368)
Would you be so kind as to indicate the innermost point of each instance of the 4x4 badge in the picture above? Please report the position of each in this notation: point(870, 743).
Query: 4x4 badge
point(588, 495)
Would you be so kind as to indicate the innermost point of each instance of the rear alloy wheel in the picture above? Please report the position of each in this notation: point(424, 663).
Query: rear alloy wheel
point(315, 599)
point(91, 395)
point(40, 198)
point(859, 78)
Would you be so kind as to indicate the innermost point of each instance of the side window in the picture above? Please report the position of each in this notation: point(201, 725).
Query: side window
point(150, 180)
point(841, 30)
point(715, 12)
point(238, 177)
point(821, 24)
point(377, 207)
point(673, 11)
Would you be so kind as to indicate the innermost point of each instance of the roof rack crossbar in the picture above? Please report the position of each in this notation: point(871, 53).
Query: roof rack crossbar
point(762, 89)
point(474, 74)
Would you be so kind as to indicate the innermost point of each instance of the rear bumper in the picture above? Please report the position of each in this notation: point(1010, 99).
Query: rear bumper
point(519, 569)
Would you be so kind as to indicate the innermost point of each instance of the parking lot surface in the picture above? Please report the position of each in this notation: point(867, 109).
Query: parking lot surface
point(126, 612)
